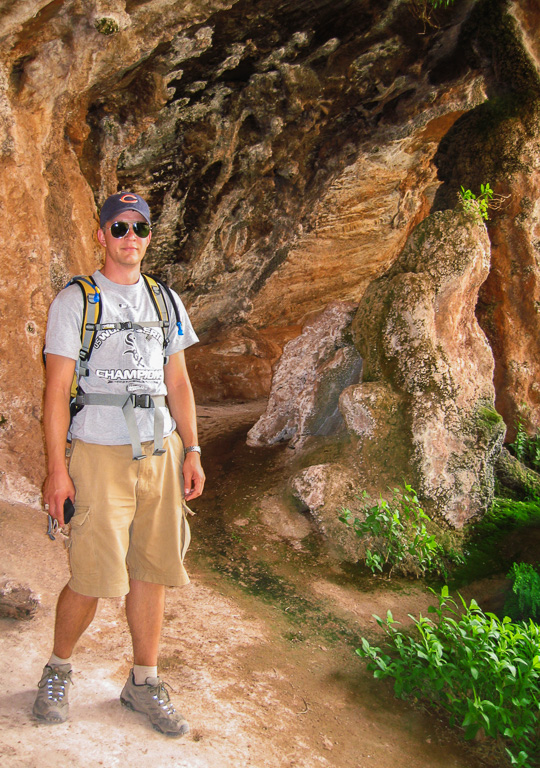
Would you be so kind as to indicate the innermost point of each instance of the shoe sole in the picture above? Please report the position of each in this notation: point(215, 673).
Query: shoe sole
point(171, 734)
point(50, 720)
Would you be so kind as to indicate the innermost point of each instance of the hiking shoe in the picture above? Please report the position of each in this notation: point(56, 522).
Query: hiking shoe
point(153, 699)
point(51, 702)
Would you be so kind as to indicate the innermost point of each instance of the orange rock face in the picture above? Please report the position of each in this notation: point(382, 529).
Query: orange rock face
point(497, 142)
point(510, 300)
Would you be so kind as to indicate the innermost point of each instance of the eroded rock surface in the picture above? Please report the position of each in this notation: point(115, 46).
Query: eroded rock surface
point(251, 128)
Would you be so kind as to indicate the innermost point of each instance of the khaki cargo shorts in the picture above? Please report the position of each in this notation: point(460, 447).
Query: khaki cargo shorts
point(130, 518)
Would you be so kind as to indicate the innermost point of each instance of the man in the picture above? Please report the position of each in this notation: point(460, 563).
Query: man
point(129, 533)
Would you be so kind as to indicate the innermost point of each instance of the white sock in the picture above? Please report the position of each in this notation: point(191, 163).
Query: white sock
point(56, 661)
point(140, 673)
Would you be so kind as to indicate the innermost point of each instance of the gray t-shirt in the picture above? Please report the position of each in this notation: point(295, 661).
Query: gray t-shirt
point(122, 361)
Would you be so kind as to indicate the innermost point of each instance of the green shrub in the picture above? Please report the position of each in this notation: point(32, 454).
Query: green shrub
point(397, 536)
point(524, 600)
point(484, 672)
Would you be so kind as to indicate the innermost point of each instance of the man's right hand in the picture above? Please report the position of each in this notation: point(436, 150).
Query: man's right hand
point(57, 488)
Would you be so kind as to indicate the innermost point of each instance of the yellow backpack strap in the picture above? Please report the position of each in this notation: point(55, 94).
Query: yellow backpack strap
point(159, 288)
point(156, 294)
point(91, 317)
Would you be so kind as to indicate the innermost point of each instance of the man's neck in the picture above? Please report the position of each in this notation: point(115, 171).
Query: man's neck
point(121, 275)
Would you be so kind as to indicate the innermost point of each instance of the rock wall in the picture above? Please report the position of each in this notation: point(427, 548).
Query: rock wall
point(288, 150)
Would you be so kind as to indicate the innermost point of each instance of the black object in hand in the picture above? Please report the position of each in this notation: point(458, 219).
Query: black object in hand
point(69, 510)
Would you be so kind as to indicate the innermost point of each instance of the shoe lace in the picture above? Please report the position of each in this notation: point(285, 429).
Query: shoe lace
point(161, 696)
point(56, 684)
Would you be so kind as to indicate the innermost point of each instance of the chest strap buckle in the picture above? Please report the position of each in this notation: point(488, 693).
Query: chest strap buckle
point(141, 401)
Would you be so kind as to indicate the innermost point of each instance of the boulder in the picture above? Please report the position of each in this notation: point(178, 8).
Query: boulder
point(308, 380)
point(17, 601)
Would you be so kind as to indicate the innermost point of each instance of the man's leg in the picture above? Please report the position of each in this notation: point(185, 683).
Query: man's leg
point(145, 603)
point(74, 612)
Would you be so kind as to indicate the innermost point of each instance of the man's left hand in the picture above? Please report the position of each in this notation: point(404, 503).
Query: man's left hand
point(194, 476)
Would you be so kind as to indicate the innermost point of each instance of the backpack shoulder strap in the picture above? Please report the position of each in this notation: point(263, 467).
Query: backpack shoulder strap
point(156, 288)
point(91, 317)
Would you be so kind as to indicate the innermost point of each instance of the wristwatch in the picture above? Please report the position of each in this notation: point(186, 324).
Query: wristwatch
point(193, 449)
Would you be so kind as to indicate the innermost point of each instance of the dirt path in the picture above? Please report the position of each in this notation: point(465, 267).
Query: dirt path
point(258, 688)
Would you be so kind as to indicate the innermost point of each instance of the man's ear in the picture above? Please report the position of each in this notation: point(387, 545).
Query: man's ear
point(101, 238)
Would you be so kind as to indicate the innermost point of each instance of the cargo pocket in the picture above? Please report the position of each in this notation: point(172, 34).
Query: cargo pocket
point(82, 547)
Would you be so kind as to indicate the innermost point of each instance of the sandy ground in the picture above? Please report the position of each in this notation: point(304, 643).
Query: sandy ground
point(253, 696)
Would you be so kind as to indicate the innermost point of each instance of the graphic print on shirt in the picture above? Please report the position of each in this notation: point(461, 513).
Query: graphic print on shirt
point(142, 348)
point(132, 349)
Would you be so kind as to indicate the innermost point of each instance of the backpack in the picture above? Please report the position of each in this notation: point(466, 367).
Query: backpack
point(91, 324)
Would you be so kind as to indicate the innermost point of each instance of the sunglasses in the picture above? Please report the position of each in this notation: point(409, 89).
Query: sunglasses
point(120, 229)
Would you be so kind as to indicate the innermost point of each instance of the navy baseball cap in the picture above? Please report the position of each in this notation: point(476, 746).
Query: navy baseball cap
point(121, 202)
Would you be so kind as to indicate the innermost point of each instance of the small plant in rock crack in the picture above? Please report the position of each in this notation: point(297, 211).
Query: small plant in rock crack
point(476, 204)
point(426, 11)
point(484, 672)
point(397, 536)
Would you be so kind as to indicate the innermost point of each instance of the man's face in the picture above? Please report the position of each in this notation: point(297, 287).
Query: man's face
point(125, 251)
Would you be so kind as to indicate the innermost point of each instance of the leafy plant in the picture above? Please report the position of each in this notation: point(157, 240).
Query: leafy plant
point(397, 536)
point(526, 448)
point(482, 671)
point(476, 204)
point(524, 600)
